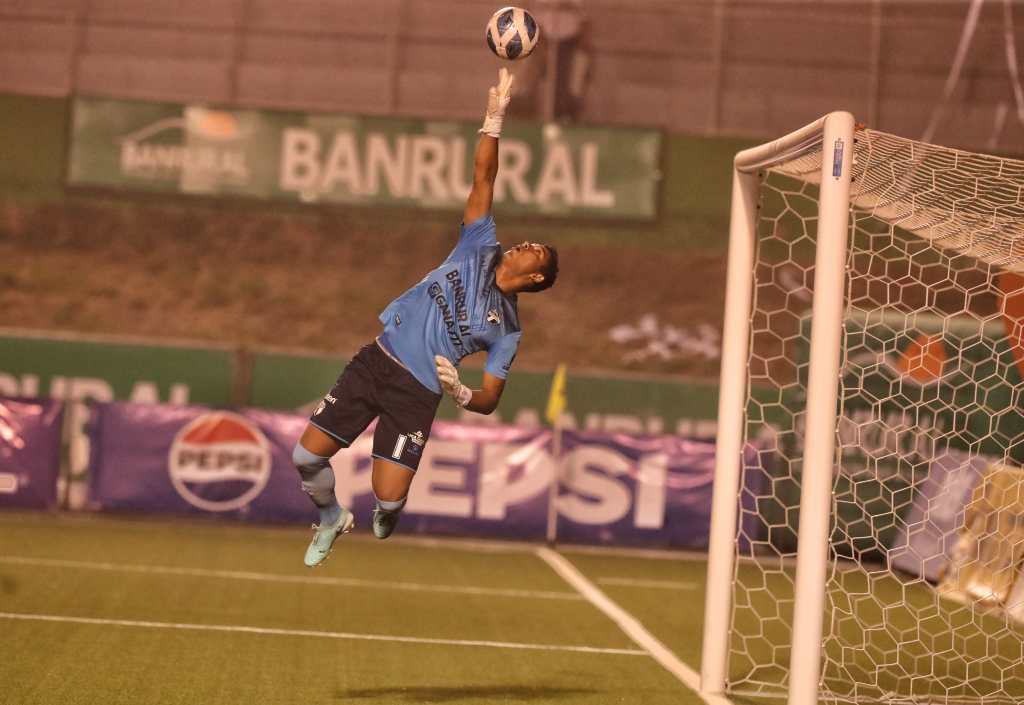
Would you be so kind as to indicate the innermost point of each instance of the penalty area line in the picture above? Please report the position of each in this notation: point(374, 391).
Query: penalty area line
point(628, 624)
point(348, 636)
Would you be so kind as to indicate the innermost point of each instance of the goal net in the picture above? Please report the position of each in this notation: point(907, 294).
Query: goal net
point(889, 370)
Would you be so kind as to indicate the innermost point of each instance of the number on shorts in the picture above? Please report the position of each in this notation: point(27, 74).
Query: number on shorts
point(399, 446)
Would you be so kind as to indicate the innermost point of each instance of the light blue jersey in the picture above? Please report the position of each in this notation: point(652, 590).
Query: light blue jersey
point(456, 310)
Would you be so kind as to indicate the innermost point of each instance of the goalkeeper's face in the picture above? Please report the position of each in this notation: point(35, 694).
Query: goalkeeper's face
point(525, 258)
point(533, 263)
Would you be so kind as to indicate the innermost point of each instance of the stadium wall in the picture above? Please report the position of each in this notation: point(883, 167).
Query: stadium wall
point(130, 247)
point(33, 140)
point(757, 69)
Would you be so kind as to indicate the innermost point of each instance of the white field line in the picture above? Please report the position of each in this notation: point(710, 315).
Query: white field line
point(634, 582)
point(311, 633)
point(281, 578)
point(629, 624)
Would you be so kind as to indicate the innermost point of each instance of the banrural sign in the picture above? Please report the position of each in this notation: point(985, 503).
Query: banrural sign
point(318, 158)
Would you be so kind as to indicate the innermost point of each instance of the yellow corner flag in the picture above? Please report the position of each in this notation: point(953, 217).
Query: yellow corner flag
point(556, 400)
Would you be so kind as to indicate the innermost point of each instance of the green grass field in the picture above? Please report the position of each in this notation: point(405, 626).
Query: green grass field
point(116, 610)
point(130, 610)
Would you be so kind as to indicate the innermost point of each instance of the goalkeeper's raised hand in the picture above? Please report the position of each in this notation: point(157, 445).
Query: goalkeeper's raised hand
point(498, 98)
point(485, 160)
point(449, 378)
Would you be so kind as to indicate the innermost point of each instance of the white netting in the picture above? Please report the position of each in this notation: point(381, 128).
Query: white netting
point(928, 504)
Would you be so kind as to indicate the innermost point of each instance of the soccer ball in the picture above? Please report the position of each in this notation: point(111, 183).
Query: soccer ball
point(512, 33)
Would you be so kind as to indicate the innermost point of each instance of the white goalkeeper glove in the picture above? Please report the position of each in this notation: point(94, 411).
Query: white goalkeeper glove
point(498, 98)
point(449, 378)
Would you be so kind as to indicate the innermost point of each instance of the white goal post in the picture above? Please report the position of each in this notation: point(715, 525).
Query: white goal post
point(901, 252)
point(835, 129)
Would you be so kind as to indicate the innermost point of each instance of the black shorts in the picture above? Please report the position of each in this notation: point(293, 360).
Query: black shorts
point(374, 384)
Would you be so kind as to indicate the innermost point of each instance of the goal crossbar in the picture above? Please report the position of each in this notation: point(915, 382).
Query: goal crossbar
point(984, 223)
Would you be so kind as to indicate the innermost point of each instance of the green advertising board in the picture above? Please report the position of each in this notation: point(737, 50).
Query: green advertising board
point(632, 405)
point(107, 369)
point(912, 387)
point(324, 158)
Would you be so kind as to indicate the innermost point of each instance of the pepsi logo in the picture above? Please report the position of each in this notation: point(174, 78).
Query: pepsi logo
point(219, 462)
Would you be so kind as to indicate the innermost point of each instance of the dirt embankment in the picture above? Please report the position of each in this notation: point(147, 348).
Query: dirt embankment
point(317, 280)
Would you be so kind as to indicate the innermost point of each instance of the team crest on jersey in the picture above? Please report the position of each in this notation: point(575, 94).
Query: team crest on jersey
point(493, 317)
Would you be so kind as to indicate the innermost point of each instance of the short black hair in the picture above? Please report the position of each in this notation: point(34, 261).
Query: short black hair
point(549, 270)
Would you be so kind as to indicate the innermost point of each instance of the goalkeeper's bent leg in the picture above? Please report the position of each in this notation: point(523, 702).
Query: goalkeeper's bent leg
point(385, 516)
point(390, 483)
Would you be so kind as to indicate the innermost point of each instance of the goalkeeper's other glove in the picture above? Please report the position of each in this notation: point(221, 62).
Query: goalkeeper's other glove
point(449, 378)
point(498, 98)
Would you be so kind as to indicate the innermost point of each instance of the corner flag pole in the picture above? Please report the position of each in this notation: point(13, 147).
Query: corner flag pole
point(553, 414)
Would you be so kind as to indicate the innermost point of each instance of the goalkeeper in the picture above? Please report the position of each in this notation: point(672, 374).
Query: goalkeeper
point(466, 305)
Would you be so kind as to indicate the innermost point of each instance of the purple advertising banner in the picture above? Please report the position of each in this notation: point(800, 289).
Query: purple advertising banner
point(193, 460)
point(29, 452)
point(475, 480)
point(629, 490)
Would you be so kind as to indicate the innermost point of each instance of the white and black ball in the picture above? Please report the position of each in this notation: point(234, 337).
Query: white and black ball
point(512, 33)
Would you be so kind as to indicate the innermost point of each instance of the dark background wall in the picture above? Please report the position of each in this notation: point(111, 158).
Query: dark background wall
point(714, 67)
point(716, 75)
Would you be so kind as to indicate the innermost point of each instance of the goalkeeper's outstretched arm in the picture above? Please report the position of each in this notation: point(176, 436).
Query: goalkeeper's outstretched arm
point(485, 161)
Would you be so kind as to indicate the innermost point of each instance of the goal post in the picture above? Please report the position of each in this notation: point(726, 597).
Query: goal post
point(835, 129)
point(819, 446)
point(873, 343)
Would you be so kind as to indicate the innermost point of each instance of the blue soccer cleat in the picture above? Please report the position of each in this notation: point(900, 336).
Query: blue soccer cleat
point(384, 523)
point(325, 536)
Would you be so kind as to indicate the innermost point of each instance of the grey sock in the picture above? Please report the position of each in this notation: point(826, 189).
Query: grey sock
point(389, 506)
point(318, 482)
